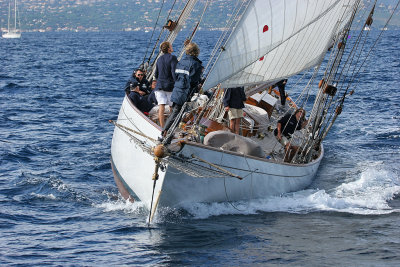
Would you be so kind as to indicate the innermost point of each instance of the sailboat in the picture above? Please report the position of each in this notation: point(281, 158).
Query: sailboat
point(265, 42)
point(12, 31)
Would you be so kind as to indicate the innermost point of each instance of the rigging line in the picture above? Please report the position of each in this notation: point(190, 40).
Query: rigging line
point(344, 36)
point(303, 47)
point(154, 29)
point(286, 40)
point(373, 46)
point(334, 30)
point(356, 54)
point(287, 43)
point(160, 34)
point(218, 173)
point(228, 25)
point(332, 66)
point(251, 180)
point(130, 119)
point(227, 39)
point(354, 49)
point(143, 145)
point(329, 101)
point(194, 30)
point(311, 41)
point(303, 92)
point(344, 73)
point(133, 131)
point(226, 192)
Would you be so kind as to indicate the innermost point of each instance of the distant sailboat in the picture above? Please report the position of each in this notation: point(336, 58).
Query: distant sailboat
point(12, 32)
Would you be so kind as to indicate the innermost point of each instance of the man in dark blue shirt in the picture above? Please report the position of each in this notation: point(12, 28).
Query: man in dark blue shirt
point(234, 103)
point(188, 75)
point(286, 127)
point(137, 88)
point(281, 86)
point(165, 75)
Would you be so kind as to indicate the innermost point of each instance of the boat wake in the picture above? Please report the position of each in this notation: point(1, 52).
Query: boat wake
point(368, 191)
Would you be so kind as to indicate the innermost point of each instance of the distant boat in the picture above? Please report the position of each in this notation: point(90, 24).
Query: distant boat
point(12, 31)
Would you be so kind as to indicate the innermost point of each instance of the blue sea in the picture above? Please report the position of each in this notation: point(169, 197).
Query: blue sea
point(59, 204)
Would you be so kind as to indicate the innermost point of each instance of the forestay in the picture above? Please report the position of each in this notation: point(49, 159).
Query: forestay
point(278, 38)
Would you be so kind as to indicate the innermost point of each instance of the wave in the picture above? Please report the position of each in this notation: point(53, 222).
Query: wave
point(368, 194)
point(117, 203)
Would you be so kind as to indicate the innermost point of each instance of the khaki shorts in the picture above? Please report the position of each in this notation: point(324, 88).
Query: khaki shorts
point(284, 140)
point(234, 113)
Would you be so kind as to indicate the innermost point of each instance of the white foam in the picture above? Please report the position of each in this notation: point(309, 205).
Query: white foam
point(136, 207)
point(40, 196)
point(367, 193)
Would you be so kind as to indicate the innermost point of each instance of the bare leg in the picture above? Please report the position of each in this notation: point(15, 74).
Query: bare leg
point(161, 117)
point(293, 152)
point(237, 125)
point(232, 125)
point(290, 152)
point(287, 152)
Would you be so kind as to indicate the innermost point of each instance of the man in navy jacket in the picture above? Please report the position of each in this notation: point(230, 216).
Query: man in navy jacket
point(188, 75)
point(165, 75)
point(138, 88)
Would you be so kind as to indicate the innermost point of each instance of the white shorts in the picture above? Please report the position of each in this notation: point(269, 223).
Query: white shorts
point(163, 97)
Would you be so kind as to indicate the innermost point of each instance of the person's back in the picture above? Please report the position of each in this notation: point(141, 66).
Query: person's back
point(188, 76)
point(165, 72)
point(234, 103)
point(165, 75)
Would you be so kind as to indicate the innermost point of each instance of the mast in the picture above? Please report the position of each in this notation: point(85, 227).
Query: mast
point(9, 16)
point(175, 28)
point(15, 15)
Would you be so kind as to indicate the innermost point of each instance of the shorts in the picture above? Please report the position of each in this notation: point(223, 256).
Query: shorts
point(163, 97)
point(284, 140)
point(235, 113)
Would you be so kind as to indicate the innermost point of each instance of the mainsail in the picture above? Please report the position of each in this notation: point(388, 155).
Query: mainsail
point(278, 38)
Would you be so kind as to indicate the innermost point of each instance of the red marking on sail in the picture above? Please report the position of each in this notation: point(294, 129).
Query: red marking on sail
point(265, 28)
point(261, 58)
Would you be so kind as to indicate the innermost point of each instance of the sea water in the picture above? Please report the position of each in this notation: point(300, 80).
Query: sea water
point(59, 204)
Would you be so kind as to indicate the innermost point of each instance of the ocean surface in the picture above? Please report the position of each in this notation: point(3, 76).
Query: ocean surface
point(59, 204)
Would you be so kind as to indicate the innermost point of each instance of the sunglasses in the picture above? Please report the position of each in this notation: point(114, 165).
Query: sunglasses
point(140, 74)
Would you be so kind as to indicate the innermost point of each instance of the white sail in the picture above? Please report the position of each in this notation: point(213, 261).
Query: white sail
point(278, 38)
point(12, 31)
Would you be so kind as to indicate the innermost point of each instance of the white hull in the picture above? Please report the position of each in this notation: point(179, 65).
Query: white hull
point(133, 170)
point(11, 35)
